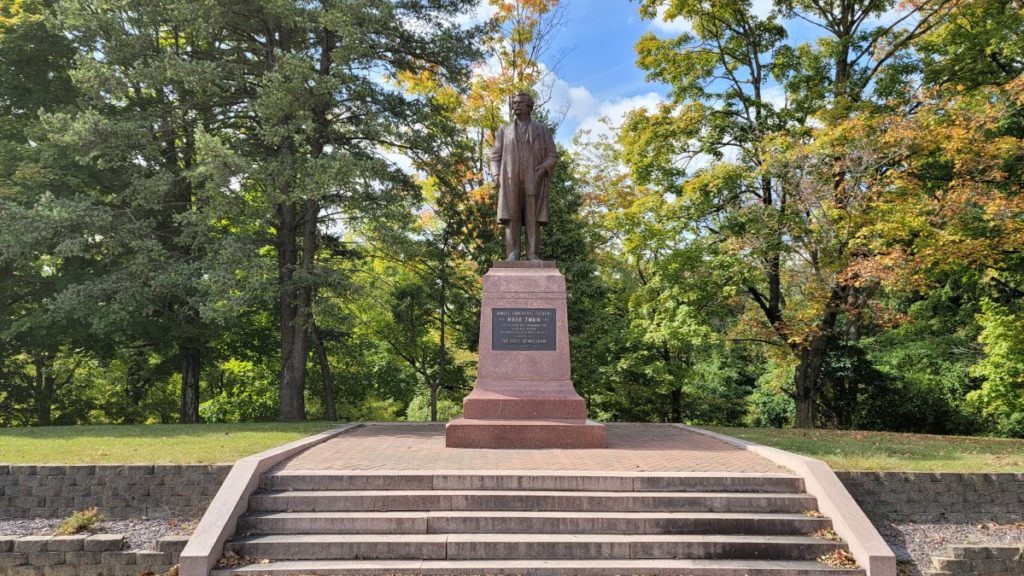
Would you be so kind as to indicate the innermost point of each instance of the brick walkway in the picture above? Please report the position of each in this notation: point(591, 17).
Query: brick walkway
point(631, 448)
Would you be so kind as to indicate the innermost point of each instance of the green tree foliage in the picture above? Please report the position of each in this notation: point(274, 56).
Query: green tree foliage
point(1002, 393)
point(261, 210)
point(779, 187)
point(36, 181)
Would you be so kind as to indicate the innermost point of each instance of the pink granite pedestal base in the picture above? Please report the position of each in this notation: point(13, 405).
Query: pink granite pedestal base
point(523, 396)
point(522, 434)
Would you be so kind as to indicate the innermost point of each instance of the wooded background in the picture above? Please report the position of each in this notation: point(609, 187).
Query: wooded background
point(258, 210)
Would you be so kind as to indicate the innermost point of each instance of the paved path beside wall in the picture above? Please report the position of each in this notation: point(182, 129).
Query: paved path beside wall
point(631, 447)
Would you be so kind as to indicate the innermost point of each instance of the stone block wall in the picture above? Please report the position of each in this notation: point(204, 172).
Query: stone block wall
point(118, 491)
point(936, 497)
point(95, 555)
point(979, 561)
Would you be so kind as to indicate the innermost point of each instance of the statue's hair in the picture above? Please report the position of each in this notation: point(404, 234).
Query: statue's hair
point(529, 96)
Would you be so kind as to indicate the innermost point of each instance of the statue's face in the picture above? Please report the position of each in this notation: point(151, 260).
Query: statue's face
point(522, 105)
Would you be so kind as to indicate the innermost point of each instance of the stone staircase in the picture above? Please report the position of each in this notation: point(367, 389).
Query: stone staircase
point(539, 523)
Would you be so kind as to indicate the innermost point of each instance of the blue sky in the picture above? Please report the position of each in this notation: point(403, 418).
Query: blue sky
point(598, 39)
point(597, 72)
point(594, 61)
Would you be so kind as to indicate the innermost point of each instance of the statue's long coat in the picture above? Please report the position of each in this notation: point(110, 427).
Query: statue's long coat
point(505, 162)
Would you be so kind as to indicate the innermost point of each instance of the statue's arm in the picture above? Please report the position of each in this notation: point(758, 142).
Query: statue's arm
point(550, 153)
point(496, 151)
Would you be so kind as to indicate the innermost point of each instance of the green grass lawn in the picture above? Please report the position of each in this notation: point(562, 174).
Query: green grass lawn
point(148, 444)
point(857, 450)
point(225, 443)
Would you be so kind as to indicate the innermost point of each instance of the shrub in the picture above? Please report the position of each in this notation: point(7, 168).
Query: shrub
point(372, 409)
point(79, 521)
point(419, 409)
point(249, 395)
point(769, 406)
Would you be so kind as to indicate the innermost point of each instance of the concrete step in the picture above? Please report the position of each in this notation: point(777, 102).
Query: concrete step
point(575, 481)
point(541, 568)
point(396, 500)
point(461, 522)
point(528, 546)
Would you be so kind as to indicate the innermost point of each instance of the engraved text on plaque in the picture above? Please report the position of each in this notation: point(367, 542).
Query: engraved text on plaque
point(523, 329)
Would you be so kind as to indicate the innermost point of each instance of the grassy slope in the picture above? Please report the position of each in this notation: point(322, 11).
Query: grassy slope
point(225, 443)
point(857, 450)
point(148, 444)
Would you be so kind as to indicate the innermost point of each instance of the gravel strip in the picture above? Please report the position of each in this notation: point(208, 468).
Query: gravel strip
point(138, 534)
point(922, 541)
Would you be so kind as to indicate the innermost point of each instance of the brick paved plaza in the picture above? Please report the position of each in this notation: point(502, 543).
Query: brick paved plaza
point(631, 447)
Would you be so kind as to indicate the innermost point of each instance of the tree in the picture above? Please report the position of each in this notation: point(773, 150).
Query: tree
point(310, 119)
point(147, 91)
point(669, 310)
point(36, 348)
point(785, 202)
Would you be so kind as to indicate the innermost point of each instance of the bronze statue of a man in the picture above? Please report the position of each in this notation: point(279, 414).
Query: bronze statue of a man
point(521, 161)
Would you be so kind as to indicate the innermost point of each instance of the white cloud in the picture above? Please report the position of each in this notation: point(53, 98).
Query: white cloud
point(565, 102)
point(398, 160)
point(605, 116)
point(617, 109)
point(889, 17)
point(675, 26)
point(576, 108)
point(482, 13)
point(775, 95)
point(761, 8)
point(678, 25)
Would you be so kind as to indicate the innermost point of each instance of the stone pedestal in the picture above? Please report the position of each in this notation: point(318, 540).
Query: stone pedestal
point(523, 397)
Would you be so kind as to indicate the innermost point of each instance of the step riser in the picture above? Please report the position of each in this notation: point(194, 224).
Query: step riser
point(472, 550)
point(446, 569)
point(336, 551)
point(420, 570)
point(492, 525)
point(645, 571)
point(724, 483)
point(631, 503)
point(332, 525)
point(545, 568)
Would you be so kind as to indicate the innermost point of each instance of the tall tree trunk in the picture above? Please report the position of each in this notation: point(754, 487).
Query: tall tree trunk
point(43, 397)
point(294, 348)
point(677, 405)
point(191, 357)
point(441, 352)
point(330, 409)
point(296, 297)
point(806, 379)
point(136, 382)
point(812, 359)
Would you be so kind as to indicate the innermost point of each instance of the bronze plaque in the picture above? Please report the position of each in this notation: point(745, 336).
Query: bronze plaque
point(523, 329)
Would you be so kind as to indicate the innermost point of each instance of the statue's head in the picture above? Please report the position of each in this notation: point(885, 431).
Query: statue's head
point(522, 101)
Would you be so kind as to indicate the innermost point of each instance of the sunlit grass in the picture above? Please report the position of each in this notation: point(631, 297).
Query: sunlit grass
point(860, 450)
point(225, 443)
point(148, 444)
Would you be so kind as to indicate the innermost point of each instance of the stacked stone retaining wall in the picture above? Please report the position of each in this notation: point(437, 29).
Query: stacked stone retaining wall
point(937, 497)
point(979, 561)
point(95, 555)
point(173, 491)
point(118, 491)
